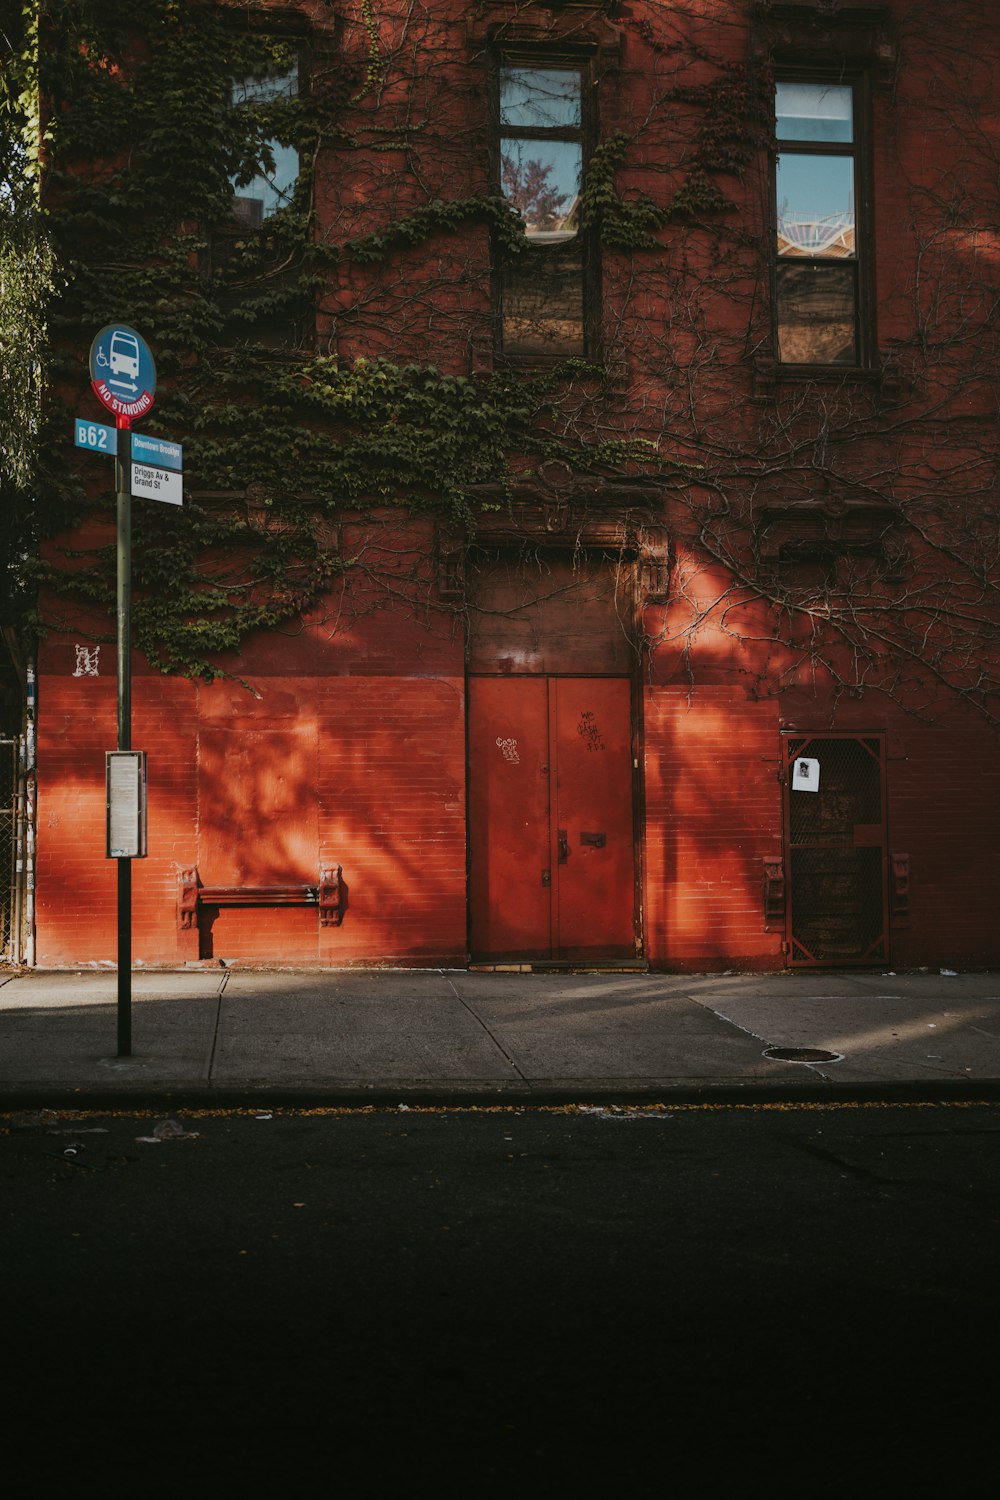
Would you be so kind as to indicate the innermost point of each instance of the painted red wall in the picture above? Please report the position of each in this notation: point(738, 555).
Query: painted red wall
point(713, 815)
point(713, 721)
point(338, 742)
point(365, 773)
point(368, 771)
point(713, 812)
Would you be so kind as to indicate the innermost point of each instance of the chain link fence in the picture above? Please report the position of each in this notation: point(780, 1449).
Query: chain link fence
point(10, 864)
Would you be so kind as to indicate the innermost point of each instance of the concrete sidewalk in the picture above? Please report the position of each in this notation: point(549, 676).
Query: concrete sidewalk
point(451, 1036)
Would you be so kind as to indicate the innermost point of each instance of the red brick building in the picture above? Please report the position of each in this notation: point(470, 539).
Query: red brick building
point(702, 671)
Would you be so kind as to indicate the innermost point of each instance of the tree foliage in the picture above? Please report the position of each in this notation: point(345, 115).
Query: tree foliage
point(26, 284)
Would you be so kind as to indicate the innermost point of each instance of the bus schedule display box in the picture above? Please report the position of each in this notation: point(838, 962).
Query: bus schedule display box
point(126, 789)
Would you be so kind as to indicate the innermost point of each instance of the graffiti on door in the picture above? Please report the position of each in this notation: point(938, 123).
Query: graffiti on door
point(588, 731)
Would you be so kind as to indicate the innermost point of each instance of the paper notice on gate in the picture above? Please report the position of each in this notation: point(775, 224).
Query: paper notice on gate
point(805, 775)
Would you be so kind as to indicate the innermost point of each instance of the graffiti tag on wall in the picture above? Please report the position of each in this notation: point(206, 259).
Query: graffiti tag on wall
point(87, 660)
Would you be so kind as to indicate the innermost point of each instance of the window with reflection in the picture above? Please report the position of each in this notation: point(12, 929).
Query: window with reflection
point(268, 183)
point(542, 140)
point(255, 256)
point(818, 291)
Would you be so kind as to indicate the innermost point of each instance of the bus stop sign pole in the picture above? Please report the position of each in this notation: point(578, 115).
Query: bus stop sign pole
point(123, 478)
point(123, 378)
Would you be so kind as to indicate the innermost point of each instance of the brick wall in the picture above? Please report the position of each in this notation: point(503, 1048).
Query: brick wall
point(265, 784)
point(369, 772)
point(351, 747)
point(713, 812)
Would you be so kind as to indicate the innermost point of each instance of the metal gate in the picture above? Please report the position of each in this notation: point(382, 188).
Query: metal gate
point(836, 851)
point(10, 904)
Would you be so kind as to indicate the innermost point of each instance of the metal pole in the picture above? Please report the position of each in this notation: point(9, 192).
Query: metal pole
point(123, 477)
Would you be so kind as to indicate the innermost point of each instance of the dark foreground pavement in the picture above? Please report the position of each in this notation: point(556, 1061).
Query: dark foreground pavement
point(571, 1303)
point(230, 1035)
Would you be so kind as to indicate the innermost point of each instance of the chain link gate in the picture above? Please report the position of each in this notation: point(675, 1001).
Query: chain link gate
point(10, 865)
point(836, 851)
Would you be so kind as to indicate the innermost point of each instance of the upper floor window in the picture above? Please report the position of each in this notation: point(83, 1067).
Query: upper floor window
point(268, 182)
point(256, 254)
point(820, 292)
point(543, 135)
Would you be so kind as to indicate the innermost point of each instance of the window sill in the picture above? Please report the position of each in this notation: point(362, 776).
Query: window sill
point(539, 364)
point(770, 375)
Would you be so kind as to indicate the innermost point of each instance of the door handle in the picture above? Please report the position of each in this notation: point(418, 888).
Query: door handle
point(563, 846)
point(546, 877)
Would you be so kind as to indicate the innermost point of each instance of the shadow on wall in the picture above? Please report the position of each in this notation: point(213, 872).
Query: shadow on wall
point(714, 814)
point(713, 798)
point(367, 774)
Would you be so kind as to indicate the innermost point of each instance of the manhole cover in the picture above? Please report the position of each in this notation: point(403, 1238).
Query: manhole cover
point(802, 1054)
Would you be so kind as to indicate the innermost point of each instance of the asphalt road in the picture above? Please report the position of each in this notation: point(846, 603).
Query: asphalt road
point(496, 1300)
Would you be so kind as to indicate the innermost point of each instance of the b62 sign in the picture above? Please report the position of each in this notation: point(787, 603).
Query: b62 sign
point(95, 436)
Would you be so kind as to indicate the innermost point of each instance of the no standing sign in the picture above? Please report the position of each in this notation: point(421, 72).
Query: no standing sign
point(122, 372)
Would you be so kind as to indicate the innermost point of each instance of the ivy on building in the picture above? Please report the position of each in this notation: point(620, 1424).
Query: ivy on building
point(139, 149)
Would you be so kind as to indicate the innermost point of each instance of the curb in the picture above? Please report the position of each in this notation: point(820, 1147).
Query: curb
point(543, 1096)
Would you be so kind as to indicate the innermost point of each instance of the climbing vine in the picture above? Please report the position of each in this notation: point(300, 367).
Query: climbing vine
point(337, 353)
point(148, 136)
point(27, 278)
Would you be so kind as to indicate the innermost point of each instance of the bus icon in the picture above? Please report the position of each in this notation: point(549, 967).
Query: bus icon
point(123, 356)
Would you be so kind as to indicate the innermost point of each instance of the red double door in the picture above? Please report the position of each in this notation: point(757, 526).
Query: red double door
point(552, 864)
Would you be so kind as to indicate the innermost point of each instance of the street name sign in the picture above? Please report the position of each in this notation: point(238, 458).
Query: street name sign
point(97, 437)
point(122, 371)
point(156, 451)
point(157, 484)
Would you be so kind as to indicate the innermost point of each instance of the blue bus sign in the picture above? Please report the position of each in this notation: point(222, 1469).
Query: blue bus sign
point(122, 371)
point(95, 436)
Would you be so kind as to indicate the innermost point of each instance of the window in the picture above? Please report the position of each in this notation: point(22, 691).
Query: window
point(819, 291)
point(259, 193)
point(256, 256)
point(543, 133)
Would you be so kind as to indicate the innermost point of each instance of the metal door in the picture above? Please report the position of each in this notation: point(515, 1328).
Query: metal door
point(552, 872)
point(836, 850)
